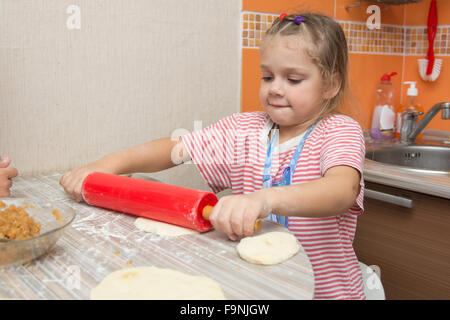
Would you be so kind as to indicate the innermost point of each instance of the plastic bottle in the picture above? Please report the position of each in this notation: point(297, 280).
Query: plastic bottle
point(411, 104)
point(384, 116)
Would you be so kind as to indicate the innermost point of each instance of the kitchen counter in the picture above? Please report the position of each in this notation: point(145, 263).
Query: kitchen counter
point(429, 183)
point(423, 181)
point(100, 241)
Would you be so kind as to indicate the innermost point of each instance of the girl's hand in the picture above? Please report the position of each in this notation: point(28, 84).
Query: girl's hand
point(72, 181)
point(6, 174)
point(236, 215)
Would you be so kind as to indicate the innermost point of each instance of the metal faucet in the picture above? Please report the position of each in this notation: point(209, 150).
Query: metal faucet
point(410, 129)
point(409, 124)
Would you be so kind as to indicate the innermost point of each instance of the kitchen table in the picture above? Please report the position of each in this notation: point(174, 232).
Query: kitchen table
point(100, 241)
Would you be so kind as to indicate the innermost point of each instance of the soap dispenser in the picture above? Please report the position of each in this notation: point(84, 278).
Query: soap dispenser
point(412, 104)
point(383, 119)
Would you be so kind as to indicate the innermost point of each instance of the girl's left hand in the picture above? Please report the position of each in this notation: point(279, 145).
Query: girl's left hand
point(236, 215)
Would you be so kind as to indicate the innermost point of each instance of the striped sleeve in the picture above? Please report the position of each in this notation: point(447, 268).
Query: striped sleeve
point(212, 150)
point(344, 145)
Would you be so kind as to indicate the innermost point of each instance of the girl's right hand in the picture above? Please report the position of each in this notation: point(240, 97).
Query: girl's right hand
point(72, 181)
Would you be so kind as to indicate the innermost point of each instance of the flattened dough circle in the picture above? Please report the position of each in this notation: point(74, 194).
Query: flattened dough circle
point(161, 228)
point(151, 283)
point(269, 248)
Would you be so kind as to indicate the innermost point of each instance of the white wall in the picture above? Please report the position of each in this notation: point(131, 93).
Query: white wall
point(135, 71)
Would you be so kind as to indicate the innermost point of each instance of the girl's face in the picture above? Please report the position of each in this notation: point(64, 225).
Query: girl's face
point(291, 88)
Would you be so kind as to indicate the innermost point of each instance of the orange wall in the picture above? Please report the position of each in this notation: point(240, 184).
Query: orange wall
point(289, 6)
point(417, 13)
point(365, 70)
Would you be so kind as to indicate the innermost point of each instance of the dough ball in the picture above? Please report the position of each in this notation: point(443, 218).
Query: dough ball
point(269, 248)
point(151, 283)
point(162, 228)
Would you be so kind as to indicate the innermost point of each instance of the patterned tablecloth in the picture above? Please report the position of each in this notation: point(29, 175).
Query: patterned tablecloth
point(99, 242)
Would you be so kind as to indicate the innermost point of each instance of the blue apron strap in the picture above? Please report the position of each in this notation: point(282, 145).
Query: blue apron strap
point(288, 172)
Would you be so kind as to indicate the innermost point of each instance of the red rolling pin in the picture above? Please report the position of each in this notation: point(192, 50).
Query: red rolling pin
point(184, 207)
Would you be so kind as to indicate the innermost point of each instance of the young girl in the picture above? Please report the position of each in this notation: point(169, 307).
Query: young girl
point(299, 163)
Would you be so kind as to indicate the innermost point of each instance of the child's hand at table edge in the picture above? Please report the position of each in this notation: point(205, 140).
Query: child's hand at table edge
point(6, 174)
point(236, 215)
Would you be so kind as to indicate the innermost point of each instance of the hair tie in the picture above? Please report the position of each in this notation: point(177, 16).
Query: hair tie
point(298, 20)
point(284, 15)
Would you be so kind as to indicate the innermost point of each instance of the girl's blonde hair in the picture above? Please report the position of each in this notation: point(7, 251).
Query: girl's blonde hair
point(329, 51)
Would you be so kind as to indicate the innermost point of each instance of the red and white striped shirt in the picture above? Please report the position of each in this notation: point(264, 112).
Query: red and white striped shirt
point(231, 154)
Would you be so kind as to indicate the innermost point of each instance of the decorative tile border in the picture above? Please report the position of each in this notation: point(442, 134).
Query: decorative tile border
point(254, 26)
point(389, 39)
point(416, 41)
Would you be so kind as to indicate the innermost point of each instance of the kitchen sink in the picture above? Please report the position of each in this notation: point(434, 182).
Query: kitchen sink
point(425, 157)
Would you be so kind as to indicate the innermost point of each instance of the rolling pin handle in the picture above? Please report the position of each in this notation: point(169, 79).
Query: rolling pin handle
point(208, 209)
point(207, 212)
point(258, 225)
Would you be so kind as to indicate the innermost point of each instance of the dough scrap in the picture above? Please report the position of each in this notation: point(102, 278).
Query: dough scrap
point(161, 228)
point(152, 283)
point(269, 248)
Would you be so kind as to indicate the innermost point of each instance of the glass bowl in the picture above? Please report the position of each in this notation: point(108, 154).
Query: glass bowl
point(15, 252)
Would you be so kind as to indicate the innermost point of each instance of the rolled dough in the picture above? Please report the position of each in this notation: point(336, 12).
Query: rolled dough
point(151, 283)
point(161, 228)
point(269, 248)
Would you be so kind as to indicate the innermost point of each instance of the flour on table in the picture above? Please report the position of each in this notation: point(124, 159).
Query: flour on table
point(151, 283)
point(161, 228)
point(269, 248)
